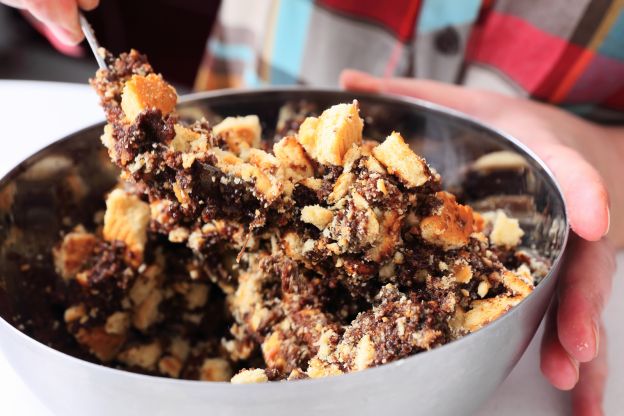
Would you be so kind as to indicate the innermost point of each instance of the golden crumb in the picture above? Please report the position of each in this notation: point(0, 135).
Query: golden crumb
point(101, 344)
point(256, 375)
point(170, 366)
point(144, 356)
point(146, 313)
point(506, 231)
point(328, 138)
point(293, 158)
point(240, 132)
point(317, 216)
point(75, 313)
point(72, 253)
point(142, 93)
point(364, 353)
point(341, 187)
point(485, 311)
point(215, 369)
point(118, 323)
point(451, 227)
point(126, 220)
point(401, 161)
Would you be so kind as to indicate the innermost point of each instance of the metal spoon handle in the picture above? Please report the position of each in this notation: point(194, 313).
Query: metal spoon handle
point(93, 42)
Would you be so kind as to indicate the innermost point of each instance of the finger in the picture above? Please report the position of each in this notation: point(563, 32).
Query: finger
point(561, 370)
point(586, 195)
point(480, 104)
point(584, 288)
point(88, 5)
point(588, 394)
point(584, 190)
point(61, 16)
point(19, 4)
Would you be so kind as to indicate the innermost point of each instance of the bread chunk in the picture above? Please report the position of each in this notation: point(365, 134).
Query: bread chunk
point(293, 158)
point(450, 228)
point(74, 250)
point(147, 92)
point(317, 216)
point(126, 219)
point(240, 132)
point(327, 138)
point(256, 375)
point(215, 369)
point(401, 161)
point(506, 231)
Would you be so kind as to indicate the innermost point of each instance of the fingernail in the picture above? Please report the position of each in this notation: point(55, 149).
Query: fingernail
point(608, 221)
point(576, 366)
point(596, 330)
point(364, 81)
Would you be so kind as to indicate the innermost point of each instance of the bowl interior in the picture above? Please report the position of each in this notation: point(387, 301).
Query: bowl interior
point(64, 184)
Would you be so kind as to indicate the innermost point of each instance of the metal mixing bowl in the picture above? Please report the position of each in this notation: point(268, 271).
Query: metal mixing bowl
point(64, 183)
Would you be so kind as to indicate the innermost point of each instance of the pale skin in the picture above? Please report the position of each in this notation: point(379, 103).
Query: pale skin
point(585, 157)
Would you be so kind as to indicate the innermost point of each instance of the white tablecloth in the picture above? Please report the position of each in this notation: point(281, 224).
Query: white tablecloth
point(33, 114)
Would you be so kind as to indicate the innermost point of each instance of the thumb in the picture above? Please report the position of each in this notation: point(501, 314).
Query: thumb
point(480, 104)
point(583, 188)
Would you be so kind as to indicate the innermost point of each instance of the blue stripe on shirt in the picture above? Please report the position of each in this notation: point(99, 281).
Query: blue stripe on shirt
point(237, 52)
point(291, 31)
point(438, 14)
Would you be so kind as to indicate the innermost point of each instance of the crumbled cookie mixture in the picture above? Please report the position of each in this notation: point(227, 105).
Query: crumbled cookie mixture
point(325, 255)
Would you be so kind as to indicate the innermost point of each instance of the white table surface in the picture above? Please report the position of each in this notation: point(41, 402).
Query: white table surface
point(33, 114)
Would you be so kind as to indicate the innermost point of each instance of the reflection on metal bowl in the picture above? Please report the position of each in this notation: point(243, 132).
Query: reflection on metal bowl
point(453, 379)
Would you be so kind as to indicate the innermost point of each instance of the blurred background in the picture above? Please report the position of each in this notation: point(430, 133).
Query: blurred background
point(172, 33)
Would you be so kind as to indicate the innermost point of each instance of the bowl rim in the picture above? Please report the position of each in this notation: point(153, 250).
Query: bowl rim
point(416, 104)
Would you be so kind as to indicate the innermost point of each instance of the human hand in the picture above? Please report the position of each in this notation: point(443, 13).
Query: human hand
point(60, 16)
point(562, 140)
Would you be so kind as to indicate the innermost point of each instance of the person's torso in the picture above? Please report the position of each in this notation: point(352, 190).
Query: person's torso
point(569, 53)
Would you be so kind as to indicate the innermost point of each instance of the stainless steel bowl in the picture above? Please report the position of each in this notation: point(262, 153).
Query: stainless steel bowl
point(63, 184)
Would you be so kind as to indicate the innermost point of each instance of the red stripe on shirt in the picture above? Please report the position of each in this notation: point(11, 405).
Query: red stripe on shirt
point(399, 17)
point(560, 71)
point(525, 53)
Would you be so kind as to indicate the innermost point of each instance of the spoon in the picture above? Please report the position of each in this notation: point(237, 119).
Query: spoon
point(93, 42)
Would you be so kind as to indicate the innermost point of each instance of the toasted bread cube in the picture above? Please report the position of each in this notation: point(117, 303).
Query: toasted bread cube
point(187, 140)
point(451, 226)
point(232, 165)
point(170, 366)
point(516, 284)
point(145, 356)
point(146, 314)
point(318, 368)
point(75, 249)
point(485, 311)
point(147, 92)
point(126, 219)
point(215, 369)
point(364, 353)
point(341, 187)
point(328, 138)
point(293, 158)
point(266, 162)
point(117, 324)
point(401, 161)
point(240, 132)
point(255, 375)
point(506, 231)
point(317, 216)
point(100, 343)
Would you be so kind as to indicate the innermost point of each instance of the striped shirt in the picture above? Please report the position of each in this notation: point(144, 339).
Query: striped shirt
point(566, 52)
